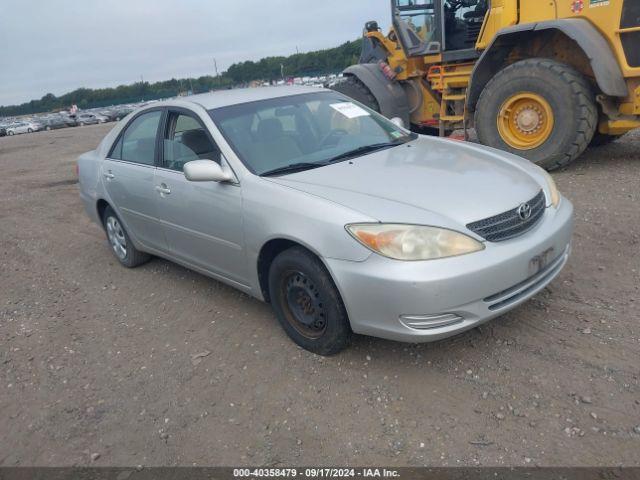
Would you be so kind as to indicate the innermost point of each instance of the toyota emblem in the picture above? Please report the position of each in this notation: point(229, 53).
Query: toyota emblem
point(524, 211)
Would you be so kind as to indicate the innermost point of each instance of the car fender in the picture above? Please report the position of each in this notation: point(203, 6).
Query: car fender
point(273, 211)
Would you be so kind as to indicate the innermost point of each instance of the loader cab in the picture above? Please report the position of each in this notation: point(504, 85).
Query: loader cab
point(447, 27)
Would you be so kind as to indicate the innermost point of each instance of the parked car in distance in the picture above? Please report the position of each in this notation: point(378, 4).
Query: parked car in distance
point(87, 119)
point(102, 118)
point(117, 114)
point(341, 219)
point(3, 132)
point(54, 123)
point(22, 127)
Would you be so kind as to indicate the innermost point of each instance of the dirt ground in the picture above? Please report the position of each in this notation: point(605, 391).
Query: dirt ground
point(99, 364)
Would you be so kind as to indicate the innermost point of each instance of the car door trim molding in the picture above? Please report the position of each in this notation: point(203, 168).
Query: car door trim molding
point(202, 235)
point(190, 231)
point(210, 273)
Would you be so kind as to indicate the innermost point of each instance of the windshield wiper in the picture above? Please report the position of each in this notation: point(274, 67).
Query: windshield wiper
point(294, 167)
point(356, 152)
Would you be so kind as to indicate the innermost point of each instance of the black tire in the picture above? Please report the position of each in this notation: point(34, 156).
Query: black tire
point(47, 128)
point(133, 256)
point(567, 92)
point(10, 133)
point(600, 139)
point(29, 130)
point(81, 124)
point(354, 88)
point(300, 288)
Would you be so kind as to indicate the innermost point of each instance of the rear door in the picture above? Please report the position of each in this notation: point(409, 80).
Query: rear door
point(128, 175)
point(202, 220)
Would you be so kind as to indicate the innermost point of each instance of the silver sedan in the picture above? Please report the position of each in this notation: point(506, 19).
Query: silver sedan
point(341, 219)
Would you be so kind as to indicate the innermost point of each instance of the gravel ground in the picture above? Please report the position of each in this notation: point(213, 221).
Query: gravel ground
point(162, 366)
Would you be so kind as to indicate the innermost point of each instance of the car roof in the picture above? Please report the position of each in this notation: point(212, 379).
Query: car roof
point(225, 98)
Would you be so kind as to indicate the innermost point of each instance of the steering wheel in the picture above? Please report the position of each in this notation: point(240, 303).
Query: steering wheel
point(337, 134)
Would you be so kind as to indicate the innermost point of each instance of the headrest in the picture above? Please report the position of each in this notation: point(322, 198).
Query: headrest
point(197, 141)
point(269, 129)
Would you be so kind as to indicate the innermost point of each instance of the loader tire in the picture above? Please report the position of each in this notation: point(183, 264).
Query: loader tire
point(539, 109)
point(354, 88)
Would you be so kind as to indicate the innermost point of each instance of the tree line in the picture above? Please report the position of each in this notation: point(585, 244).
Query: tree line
point(269, 69)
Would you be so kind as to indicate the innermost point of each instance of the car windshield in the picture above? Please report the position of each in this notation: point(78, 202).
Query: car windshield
point(300, 132)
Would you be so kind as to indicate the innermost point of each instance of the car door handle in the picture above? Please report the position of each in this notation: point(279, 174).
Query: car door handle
point(163, 189)
point(109, 176)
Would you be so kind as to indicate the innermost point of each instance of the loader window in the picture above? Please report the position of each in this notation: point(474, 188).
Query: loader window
point(420, 18)
point(417, 25)
point(463, 21)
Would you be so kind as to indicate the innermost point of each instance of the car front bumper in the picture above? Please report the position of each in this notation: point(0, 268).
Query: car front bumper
point(430, 300)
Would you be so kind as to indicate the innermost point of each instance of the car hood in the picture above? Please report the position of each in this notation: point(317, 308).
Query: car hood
point(425, 181)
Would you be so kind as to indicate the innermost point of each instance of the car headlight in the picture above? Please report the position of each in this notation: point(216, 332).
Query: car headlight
point(413, 242)
point(553, 189)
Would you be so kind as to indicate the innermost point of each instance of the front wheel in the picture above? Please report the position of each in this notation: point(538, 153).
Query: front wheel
point(120, 243)
point(10, 133)
point(307, 302)
point(539, 109)
point(29, 130)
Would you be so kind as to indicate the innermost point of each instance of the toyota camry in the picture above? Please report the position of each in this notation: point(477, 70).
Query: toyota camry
point(341, 219)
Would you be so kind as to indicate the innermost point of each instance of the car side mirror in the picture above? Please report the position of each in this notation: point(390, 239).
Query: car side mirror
point(206, 171)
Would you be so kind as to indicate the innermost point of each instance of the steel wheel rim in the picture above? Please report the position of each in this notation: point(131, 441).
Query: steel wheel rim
point(302, 305)
point(525, 121)
point(116, 236)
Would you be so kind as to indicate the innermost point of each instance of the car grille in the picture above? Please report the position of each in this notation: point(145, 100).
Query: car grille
point(510, 224)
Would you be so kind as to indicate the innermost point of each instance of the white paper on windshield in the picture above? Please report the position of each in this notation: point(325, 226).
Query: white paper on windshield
point(350, 110)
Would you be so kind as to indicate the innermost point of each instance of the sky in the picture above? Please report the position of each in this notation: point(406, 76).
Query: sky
point(55, 46)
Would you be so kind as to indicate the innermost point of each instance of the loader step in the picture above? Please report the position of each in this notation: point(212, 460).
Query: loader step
point(453, 97)
point(452, 118)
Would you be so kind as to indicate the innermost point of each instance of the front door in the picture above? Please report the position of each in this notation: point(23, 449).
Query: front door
point(202, 220)
point(128, 176)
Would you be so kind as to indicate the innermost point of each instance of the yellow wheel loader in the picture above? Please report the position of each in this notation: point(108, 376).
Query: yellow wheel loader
point(542, 79)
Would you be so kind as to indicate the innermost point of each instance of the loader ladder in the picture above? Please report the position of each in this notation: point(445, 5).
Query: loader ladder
point(450, 115)
point(451, 82)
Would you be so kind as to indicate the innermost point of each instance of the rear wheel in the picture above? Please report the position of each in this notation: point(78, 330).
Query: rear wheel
point(540, 109)
point(307, 302)
point(354, 88)
point(120, 243)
